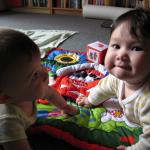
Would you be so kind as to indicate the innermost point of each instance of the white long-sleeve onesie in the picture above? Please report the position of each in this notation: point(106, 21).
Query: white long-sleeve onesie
point(136, 107)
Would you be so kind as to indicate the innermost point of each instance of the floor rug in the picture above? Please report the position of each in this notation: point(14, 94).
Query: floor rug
point(97, 128)
point(48, 39)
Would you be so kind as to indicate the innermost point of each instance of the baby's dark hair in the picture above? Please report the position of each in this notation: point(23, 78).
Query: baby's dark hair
point(139, 22)
point(13, 46)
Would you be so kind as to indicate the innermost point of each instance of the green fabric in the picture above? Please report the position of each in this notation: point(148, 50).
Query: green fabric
point(87, 126)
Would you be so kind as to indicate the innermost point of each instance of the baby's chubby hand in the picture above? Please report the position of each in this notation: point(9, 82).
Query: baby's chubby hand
point(83, 101)
point(121, 147)
point(69, 110)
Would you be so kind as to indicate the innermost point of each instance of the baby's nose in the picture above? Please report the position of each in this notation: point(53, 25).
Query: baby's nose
point(122, 55)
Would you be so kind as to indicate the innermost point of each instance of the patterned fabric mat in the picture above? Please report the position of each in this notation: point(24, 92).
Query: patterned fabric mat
point(100, 128)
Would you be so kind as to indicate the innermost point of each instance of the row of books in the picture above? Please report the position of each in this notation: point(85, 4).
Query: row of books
point(35, 3)
point(79, 3)
point(55, 3)
point(67, 3)
point(24, 2)
point(122, 3)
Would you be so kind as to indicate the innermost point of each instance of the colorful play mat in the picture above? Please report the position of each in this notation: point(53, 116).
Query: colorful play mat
point(99, 128)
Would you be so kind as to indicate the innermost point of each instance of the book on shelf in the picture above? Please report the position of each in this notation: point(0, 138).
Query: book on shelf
point(35, 3)
point(60, 3)
point(67, 3)
point(106, 2)
point(119, 3)
point(90, 1)
point(43, 3)
point(94, 2)
point(75, 3)
point(24, 3)
point(111, 2)
point(143, 3)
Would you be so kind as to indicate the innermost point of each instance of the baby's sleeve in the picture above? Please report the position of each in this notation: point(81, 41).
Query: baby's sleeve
point(106, 88)
point(144, 116)
point(11, 129)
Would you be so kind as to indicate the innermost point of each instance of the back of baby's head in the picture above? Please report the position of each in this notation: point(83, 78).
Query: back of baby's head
point(13, 46)
point(138, 20)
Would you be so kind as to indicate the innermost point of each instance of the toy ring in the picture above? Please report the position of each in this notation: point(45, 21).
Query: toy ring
point(67, 58)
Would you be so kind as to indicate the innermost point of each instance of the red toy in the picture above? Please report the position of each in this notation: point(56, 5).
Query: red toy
point(96, 52)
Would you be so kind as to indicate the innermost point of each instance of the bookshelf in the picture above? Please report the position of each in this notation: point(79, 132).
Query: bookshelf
point(73, 7)
point(120, 3)
point(110, 9)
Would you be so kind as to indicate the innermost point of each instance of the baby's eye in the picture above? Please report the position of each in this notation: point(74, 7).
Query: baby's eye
point(35, 76)
point(115, 46)
point(137, 49)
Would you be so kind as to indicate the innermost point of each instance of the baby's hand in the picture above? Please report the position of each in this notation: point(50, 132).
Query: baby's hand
point(121, 147)
point(70, 110)
point(83, 101)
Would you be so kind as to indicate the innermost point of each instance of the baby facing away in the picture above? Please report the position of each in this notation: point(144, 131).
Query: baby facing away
point(22, 80)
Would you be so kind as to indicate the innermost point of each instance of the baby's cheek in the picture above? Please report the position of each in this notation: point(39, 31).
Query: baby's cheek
point(40, 89)
point(107, 63)
point(106, 58)
point(45, 88)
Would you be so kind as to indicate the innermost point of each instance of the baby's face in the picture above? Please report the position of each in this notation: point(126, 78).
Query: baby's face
point(127, 57)
point(26, 80)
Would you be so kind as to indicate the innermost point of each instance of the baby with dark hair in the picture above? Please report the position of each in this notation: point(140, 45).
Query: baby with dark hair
point(128, 62)
point(22, 80)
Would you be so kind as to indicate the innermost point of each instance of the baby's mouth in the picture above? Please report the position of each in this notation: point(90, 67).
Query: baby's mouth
point(123, 67)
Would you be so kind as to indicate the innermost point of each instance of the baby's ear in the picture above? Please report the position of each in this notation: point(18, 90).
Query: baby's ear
point(3, 97)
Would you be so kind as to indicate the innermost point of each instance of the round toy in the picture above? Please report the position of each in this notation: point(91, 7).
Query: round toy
point(67, 58)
